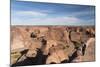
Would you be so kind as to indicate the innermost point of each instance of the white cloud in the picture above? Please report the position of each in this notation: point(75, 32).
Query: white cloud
point(31, 13)
point(57, 19)
point(42, 18)
point(80, 13)
point(51, 21)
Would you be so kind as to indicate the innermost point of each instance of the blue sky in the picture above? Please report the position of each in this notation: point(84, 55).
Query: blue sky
point(36, 13)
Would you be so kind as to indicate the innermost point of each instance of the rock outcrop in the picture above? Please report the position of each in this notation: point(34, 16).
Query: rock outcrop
point(56, 44)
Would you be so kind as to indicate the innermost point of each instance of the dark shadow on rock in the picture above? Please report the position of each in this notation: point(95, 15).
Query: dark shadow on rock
point(71, 58)
point(38, 60)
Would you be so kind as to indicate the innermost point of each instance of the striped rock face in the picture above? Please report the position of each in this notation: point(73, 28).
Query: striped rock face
point(35, 44)
point(90, 41)
point(17, 41)
point(17, 44)
point(31, 53)
point(57, 54)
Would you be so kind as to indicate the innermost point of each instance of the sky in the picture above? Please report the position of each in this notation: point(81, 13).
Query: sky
point(37, 13)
